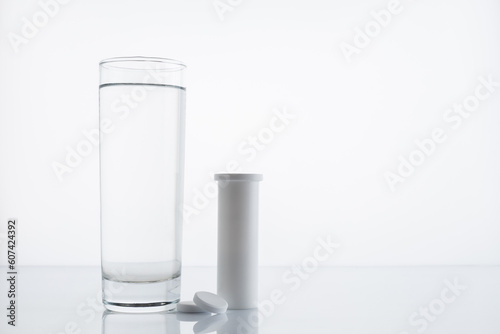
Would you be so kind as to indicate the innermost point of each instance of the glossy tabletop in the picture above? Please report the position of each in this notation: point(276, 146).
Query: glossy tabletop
point(347, 300)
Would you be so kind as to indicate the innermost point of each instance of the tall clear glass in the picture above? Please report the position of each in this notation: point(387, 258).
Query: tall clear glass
point(141, 122)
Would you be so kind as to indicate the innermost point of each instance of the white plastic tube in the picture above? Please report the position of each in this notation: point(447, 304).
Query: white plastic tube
point(237, 250)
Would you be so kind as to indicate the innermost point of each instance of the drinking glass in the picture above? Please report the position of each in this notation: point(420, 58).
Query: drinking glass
point(141, 159)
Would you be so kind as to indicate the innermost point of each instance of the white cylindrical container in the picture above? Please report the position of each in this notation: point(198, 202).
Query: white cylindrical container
point(237, 250)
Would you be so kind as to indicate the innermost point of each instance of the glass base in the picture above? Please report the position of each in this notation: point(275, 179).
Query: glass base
point(141, 297)
point(139, 308)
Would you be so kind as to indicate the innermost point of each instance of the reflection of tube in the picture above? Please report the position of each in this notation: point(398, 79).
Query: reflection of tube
point(139, 323)
point(237, 253)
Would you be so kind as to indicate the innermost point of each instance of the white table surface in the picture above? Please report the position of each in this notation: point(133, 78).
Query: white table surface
point(347, 300)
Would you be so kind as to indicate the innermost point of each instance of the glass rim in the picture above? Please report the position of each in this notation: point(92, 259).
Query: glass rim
point(119, 63)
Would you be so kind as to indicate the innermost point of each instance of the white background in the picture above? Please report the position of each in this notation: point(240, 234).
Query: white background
point(324, 172)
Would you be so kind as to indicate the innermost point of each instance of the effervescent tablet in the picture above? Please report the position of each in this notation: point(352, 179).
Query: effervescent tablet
point(189, 307)
point(210, 302)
